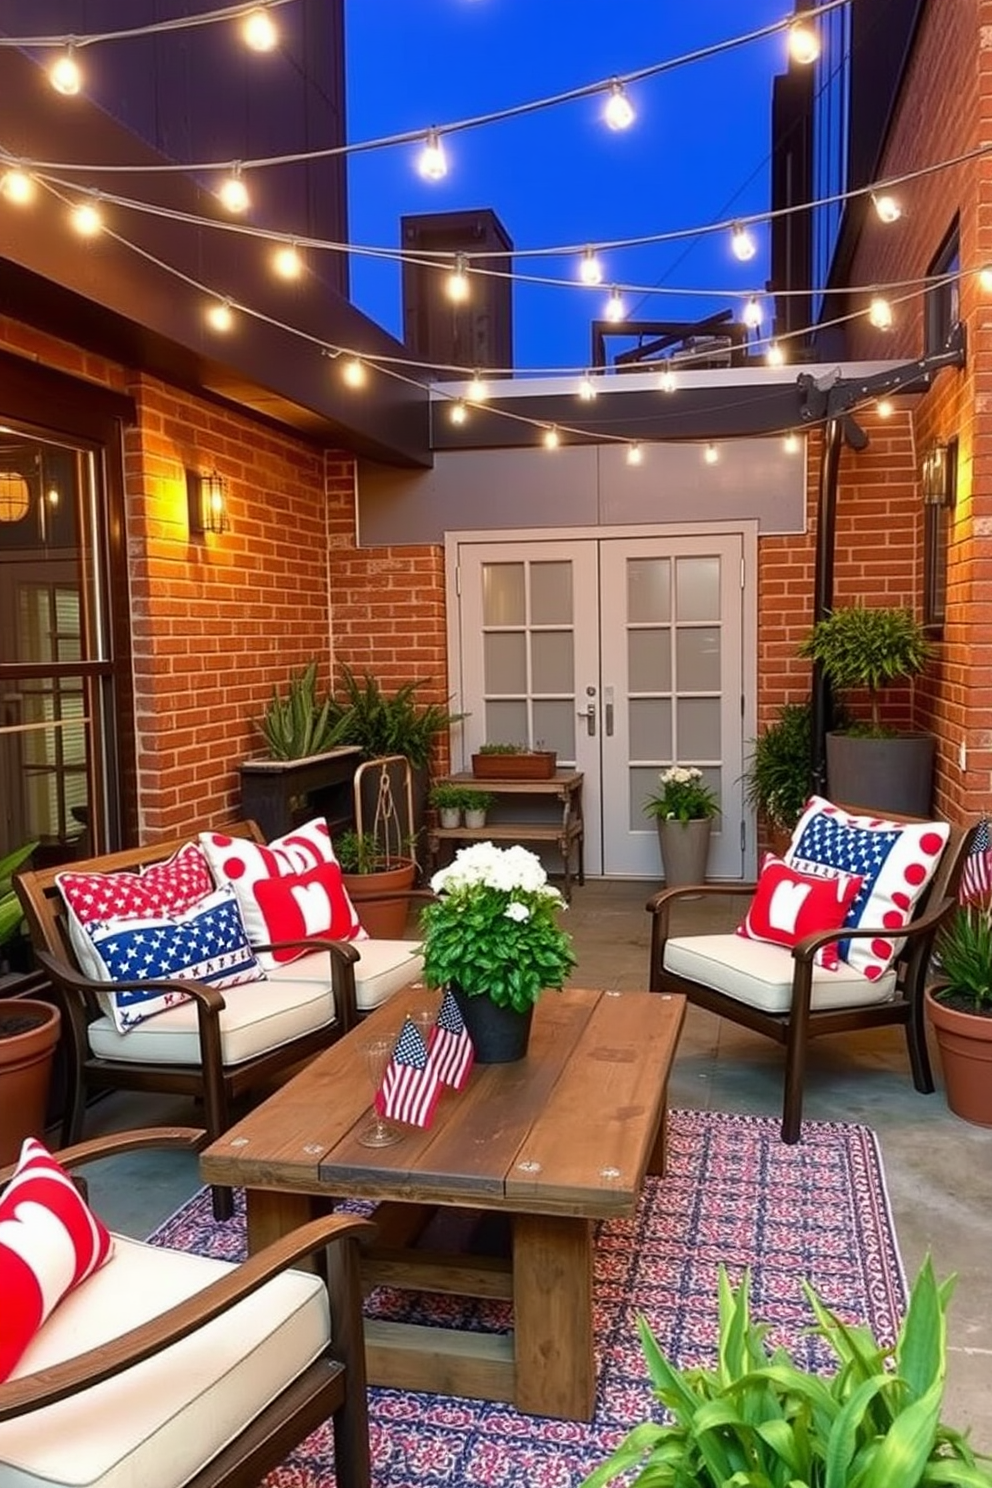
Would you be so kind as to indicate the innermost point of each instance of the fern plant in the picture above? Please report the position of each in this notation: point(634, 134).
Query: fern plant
point(388, 723)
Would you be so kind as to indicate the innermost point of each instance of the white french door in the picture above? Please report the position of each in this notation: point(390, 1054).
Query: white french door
point(624, 654)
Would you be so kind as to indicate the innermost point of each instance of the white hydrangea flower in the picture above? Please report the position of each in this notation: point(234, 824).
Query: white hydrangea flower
point(516, 911)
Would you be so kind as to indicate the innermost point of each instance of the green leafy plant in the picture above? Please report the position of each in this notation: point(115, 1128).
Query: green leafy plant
point(964, 951)
point(381, 723)
point(868, 647)
point(298, 723)
point(475, 800)
point(777, 781)
point(493, 928)
point(365, 852)
point(497, 748)
point(446, 797)
point(757, 1421)
point(683, 796)
point(11, 913)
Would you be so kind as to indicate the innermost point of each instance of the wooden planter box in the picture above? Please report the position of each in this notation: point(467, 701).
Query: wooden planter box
point(539, 765)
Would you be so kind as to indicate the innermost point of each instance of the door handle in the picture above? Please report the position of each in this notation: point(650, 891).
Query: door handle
point(589, 714)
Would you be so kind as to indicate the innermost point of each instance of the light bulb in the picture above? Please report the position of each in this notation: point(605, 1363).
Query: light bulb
point(615, 309)
point(432, 162)
point(552, 439)
point(220, 316)
point(711, 454)
point(86, 219)
point(667, 381)
point(587, 389)
point(619, 111)
point(742, 243)
point(459, 413)
point(233, 193)
point(17, 186)
point(456, 287)
point(884, 408)
point(880, 313)
point(804, 44)
point(287, 261)
point(64, 74)
point(791, 444)
point(353, 372)
point(259, 30)
point(751, 314)
point(590, 268)
point(478, 391)
point(985, 279)
point(887, 208)
point(774, 356)
point(635, 455)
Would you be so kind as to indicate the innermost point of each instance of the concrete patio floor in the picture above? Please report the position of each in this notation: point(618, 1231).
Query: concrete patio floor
point(938, 1168)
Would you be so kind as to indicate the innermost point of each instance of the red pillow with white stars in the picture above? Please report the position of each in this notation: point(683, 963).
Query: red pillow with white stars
point(50, 1241)
point(788, 905)
point(289, 890)
point(168, 888)
point(896, 861)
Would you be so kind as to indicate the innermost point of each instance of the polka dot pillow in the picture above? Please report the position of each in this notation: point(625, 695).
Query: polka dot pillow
point(290, 890)
point(50, 1241)
point(895, 861)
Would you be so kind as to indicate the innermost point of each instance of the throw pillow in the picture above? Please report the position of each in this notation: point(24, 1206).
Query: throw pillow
point(206, 943)
point(288, 890)
point(896, 861)
point(160, 889)
point(788, 905)
point(50, 1241)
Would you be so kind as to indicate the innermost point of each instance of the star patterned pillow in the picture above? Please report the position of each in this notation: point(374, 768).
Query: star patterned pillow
point(895, 861)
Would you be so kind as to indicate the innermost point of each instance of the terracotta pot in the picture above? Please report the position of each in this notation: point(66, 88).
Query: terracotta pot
point(29, 1032)
point(384, 919)
point(499, 1035)
point(965, 1043)
point(684, 849)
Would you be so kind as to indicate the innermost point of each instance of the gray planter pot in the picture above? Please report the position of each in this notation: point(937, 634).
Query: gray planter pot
point(883, 774)
point(684, 849)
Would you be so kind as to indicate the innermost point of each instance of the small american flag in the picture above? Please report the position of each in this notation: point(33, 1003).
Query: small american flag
point(410, 1086)
point(451, 1046)
point(976, 876)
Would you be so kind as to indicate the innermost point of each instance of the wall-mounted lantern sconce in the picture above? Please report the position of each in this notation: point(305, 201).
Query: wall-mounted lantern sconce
point(935, 476)
point(207, 497)
point(15, 496)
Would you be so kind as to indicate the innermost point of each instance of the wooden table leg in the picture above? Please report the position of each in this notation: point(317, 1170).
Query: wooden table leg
point(552, 1316)
point(272, 1214)
point(659, 1154)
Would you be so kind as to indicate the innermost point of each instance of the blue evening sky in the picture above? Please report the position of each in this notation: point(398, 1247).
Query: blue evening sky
point(697, 152)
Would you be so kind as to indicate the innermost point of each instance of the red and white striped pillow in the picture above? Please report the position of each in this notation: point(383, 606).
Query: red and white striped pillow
point(50, 1241)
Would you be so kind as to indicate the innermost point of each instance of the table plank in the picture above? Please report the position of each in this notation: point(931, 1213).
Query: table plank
point(447, 1361)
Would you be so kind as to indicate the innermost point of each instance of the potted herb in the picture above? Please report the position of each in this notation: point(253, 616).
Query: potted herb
point(447, 799)
point(492, 936)
point(756, 1419)
point(683, 808)
point(864, 649)
point(475, 804)
point(959, 1006)
point(494, 761)
point(777, 781)
point(378, 878)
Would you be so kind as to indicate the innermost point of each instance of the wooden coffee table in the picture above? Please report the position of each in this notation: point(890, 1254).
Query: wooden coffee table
point(556, 1141)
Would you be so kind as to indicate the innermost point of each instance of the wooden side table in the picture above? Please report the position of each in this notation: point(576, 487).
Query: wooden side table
point(565, 830)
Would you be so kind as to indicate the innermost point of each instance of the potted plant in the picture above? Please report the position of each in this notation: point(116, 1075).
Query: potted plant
point(758, 1419)
point(12, 925)
point(684, 809)
point(777, 781)
point(29, 1031)
point(513, 762)
point(867, 648)
point(447, 799)
point(475, 804)
point(378, 877)
point(959, 1006)
point(493, 937)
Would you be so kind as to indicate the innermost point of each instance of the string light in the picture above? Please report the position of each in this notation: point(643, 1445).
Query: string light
point(635, 454)
point(711, 454)
point(751, 314)
point(456, 287)
point(220, 316)
point(775, 356)
point(65, 75)
point(884, 408)
point(615, 308)
point(985, 279)
point(86, 219)
point(552, 439)
point(259, 30)
point(742, 243)
point(590, 268)
point(886, 207)
point(880, 313)
point(619, 111)
point(804, 44)
point(17, 186)
point(432, 162)
point(287, 261)
point(353, 372)
point(790, 444)
point(478, 391)
point(667, 381)
point(587, 388)
point(458, 411)
point(233, 193)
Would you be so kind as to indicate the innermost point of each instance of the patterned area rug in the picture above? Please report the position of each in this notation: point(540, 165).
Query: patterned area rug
point(733, 1193)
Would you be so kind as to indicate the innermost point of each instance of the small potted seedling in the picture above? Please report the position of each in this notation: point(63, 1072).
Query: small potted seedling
point(475, 804)
point(448, 801)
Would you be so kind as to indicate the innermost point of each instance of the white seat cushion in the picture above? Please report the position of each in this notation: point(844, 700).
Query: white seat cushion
point(385, 967)
point(760, 975)
point(157, 1423)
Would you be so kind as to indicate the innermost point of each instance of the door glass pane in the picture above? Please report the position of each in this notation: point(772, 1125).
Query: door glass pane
point(697, 659)
point(503, 600)
point(551, 593)
point(699, 730)
point(554, 728)
point(649, 660)
point(651, 729)
point(649, 590)
point(643, 784)
point(697, 589)
point(505, 661)
point(552, 661)
point(506, 722)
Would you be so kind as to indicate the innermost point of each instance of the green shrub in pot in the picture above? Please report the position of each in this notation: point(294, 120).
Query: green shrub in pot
point(868, 647)
point(778, 779)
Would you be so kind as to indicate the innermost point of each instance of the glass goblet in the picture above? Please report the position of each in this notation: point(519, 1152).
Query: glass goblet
point(378, 1132)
